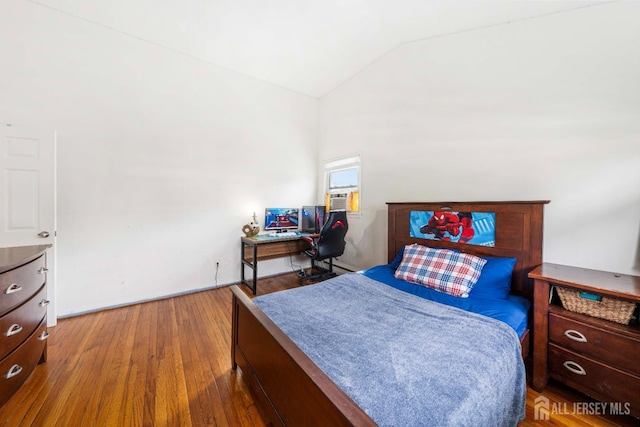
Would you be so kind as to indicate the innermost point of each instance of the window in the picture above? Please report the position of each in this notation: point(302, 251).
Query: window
point(342, 184)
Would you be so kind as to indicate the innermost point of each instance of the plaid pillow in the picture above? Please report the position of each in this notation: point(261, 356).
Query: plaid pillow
point(443, 270)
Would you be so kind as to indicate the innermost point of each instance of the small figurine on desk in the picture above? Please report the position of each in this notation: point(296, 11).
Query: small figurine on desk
point(252, 228)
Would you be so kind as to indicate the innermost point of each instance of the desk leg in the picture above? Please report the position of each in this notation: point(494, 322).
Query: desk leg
point(253, 265)
point(255, 269)
point(242, 263)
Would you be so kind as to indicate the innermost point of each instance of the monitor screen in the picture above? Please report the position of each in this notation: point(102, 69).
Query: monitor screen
point(281, 219)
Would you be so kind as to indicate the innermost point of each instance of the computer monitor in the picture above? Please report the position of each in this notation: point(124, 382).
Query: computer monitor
point(312, 219)
point(281, 219)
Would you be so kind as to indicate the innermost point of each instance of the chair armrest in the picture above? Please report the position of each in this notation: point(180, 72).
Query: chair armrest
point(309, 239)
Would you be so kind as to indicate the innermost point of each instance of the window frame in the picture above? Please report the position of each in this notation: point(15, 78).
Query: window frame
point(353, 161)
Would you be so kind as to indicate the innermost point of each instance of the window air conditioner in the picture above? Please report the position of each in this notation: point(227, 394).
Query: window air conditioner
point(338, 201)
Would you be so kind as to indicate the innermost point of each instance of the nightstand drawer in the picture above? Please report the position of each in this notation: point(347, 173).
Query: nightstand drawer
point(19, 284)
point(593, 378)
point(609, 345)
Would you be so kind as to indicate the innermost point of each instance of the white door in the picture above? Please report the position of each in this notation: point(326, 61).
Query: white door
point(27, 194)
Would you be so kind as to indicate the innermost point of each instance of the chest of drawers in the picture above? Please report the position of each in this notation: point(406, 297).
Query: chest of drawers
point(23, 310)
point(597, 357)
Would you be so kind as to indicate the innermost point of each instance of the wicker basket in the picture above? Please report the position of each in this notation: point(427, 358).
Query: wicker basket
point(607, 308)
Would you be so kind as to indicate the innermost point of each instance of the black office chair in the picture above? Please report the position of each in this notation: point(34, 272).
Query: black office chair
point(329, 244)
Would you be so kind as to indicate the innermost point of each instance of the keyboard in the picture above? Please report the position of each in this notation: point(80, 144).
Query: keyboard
point(284, 234)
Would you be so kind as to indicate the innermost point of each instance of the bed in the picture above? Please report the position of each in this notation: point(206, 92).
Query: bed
point(337, 383)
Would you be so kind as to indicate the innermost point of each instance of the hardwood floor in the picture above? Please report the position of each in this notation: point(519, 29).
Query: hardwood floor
point(167, 363)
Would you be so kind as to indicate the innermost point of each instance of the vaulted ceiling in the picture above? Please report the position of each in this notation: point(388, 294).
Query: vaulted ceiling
point(307, 46)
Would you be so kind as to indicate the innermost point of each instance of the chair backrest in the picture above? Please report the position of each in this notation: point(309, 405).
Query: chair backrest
point(331, 242)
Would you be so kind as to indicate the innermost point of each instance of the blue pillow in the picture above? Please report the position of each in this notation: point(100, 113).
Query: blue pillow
point(495, 278)
point(398, 259)
point(494, 281)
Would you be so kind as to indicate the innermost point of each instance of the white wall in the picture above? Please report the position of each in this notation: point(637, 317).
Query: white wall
point(546, 108)
point(161, 158)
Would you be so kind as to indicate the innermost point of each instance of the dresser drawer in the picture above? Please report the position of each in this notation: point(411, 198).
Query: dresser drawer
point(611, 346)
point(16, 368)
point(18, 324)
point(593, 378)
point(19, 284)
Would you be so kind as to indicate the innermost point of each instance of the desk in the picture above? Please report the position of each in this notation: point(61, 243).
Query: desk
point(267, 247)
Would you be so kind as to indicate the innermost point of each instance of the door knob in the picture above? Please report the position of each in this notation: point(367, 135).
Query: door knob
point(43, 234)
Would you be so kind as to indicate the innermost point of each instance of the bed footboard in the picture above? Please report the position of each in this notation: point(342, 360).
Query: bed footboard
point(288, 386)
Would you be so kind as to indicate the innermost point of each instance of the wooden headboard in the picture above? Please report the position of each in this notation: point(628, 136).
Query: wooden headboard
point(519, 227)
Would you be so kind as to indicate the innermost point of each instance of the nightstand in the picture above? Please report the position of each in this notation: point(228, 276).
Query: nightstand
point(594, 356)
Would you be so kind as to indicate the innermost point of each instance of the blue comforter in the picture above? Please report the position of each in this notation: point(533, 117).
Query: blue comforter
point(404, 360)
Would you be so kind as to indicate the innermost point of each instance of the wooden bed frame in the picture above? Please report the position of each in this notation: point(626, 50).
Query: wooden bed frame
point(288, 386)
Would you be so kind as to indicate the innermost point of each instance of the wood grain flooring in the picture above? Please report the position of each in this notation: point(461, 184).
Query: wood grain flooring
point(167, 363)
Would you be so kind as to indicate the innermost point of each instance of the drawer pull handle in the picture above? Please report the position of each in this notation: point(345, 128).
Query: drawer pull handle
point(14, 329)
point(13, 288)
point(15, 370)
point(44, 303)
point(42, 270)
point(575, 335)
point(43, 336)
point(574, 367)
